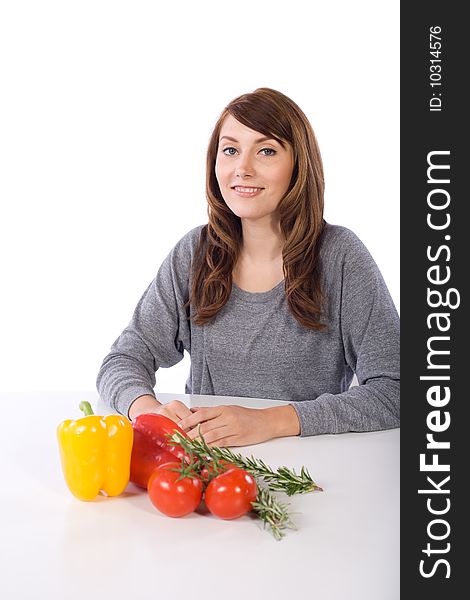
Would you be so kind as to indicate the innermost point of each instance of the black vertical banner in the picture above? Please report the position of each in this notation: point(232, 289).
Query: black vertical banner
point(435, 259)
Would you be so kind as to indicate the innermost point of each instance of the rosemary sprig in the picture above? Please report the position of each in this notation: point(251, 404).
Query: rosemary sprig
point(272, 512)
point(267, 507)
point(283, 479)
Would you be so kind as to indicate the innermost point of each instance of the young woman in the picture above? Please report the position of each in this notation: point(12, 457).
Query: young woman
point(269, 300)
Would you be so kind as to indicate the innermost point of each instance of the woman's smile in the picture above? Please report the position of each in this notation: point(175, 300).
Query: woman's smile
point(247, 192)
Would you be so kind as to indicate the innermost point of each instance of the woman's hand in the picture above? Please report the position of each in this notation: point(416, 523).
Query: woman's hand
point(240, 426)
point(174, 410)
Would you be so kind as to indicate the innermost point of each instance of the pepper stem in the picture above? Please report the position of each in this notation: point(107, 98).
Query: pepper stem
point(86, 409)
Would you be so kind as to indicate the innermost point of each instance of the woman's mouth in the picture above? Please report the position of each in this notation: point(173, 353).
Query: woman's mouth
point(246, 192)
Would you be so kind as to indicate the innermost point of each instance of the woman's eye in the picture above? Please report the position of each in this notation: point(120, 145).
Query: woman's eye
point(229, 153)
point(271, 150)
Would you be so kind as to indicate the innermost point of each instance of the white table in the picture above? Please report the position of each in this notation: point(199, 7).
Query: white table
point(55, 546)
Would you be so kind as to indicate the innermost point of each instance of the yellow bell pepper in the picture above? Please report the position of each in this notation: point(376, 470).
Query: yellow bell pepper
point(95, 453)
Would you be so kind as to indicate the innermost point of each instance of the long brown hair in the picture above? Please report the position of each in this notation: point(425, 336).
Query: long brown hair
point(301, 213)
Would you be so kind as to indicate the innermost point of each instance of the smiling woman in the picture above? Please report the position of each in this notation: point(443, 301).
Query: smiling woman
point(269, 300)
point(274, 237)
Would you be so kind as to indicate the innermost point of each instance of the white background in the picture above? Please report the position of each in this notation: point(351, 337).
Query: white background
point(106, 109)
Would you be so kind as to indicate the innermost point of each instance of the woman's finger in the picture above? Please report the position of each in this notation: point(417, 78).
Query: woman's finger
point(201, 415)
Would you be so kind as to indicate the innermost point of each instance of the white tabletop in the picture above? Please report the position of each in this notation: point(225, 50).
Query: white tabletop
point(55, 546)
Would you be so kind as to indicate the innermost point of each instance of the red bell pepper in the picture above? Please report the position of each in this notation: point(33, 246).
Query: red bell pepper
point(151, 447)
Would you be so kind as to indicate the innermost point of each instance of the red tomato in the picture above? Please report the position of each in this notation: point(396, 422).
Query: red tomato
point(208, 471)
point(229, 495)
point(171, 497)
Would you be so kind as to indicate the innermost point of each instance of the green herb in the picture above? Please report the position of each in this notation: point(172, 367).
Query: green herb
point(282, 480)
point(267, 506)
point(273, 513)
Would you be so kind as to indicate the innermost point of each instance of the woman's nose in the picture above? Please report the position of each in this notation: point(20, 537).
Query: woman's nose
point(244, 167)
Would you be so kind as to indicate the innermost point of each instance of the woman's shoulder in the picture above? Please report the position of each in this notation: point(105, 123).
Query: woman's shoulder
point(337, 238)
point(340, 245)
point(178, 261)
point(187, 244)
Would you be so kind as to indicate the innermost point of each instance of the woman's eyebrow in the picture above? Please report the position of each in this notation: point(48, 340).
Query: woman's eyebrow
point(262, 139)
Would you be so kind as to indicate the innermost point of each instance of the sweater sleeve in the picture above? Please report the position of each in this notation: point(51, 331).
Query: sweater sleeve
point(369, 328)
point(157, 335)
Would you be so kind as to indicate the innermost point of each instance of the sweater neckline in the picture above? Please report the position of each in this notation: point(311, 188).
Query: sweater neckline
point(257, 296)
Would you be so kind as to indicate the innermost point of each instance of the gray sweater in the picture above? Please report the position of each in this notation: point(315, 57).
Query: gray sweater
point(254, 347)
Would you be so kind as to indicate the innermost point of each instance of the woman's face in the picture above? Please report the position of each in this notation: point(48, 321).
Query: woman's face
point(253, 171)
